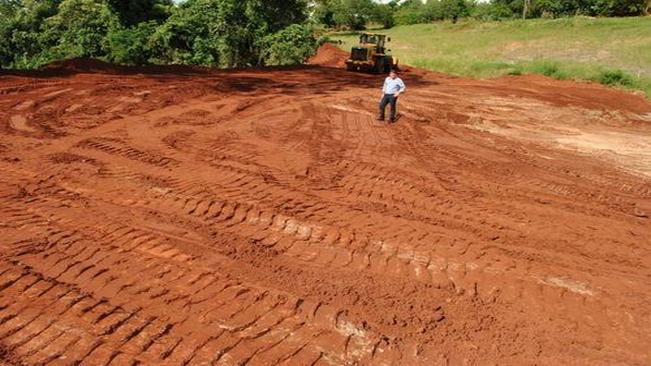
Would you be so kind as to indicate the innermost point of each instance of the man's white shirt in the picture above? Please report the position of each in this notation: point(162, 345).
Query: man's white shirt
point(392, 86)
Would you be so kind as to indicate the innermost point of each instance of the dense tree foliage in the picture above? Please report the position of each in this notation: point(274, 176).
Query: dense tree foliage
point(132, 12)
point(131, 46)
point(22, 31)
point(564, 8)
point(233, 33)
point(290, 46)
point(356, 14)
point(78, 29)
point(353, 14)
point(225, 33)
point(8, 8)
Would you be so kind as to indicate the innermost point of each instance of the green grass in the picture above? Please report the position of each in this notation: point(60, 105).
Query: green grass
point(612, 51)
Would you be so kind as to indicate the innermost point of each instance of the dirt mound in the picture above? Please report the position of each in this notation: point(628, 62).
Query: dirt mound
point(83, 65)
point(264, 217)
point(329, 55)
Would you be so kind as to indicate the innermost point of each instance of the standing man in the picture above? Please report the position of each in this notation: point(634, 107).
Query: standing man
point(393, 87)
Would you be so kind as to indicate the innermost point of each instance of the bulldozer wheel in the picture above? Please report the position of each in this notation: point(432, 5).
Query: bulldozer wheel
point(380, 66)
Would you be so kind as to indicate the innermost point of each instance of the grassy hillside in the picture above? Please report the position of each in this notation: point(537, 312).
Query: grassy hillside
point(614, 51)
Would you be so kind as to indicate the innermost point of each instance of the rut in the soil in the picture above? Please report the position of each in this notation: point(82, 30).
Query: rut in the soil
point(264, 217)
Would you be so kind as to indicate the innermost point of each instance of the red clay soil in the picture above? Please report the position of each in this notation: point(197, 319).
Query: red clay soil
point(82, 65)
point(329, 55)
point(264, 217)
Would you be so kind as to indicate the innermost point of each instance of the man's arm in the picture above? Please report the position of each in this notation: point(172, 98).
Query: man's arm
point(384, 87)
point(403, 88)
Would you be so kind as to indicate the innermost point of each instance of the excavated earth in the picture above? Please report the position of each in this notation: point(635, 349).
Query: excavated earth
point(179, 216)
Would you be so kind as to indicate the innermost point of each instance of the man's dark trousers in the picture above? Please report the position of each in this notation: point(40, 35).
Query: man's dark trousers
point(388, 99)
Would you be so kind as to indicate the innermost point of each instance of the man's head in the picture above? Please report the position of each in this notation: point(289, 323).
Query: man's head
point(393, 74)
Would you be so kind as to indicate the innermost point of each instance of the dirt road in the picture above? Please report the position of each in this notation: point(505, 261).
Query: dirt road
point(264, 217)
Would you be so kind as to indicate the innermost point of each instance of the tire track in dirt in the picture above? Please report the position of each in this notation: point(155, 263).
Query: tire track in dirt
point(290, 227)
point(176, 226)
point(76, 263)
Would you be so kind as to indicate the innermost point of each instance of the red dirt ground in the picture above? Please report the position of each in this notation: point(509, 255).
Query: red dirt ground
point(264, 217)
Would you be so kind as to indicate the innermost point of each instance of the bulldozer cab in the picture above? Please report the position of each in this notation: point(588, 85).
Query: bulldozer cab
point(376, 40)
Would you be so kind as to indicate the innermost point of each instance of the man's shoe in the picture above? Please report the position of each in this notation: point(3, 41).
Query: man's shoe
point(393, 120)
point(380, 119)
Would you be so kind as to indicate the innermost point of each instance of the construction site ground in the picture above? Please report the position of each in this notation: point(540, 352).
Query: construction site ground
point(183, 216)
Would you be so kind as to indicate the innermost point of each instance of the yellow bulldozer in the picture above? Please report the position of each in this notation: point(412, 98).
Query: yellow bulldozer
point(371, 55)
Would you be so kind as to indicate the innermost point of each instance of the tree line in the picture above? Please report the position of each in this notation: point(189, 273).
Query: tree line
point(234, 33)
point(222, 33)
point(357, 14)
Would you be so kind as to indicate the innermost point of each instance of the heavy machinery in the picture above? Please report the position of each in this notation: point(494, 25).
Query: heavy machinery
point(371, 55)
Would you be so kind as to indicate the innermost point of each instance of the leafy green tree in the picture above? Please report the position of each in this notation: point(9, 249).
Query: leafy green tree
point(558, 8)
point(515, 6)
point(619, 8)
point(222, 33)
point(185, 37)
point(8, 9)
point(6, 52)
point(323, 12)
point(226, 33)
point(21, 41)
point(383, 14)
point(491, 12)
point(132, 12)
point(413, 12)
point(279, 14)
point(354, 14)
point(454, 9)
point(290, 46)
point(79, 29)
point(131, 46)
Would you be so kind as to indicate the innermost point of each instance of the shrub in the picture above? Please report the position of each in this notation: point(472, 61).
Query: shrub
point(290, 46)
point(354, 14)
point(553, 69)
point(412, 14)
point(383, 14)
point(615, 78)
point(79, 29)
point(491, 12)
point(618, 7)
point(131, 46)
point(453, 9)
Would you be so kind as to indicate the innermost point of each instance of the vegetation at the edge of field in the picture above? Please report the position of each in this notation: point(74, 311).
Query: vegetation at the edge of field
point(611, 51)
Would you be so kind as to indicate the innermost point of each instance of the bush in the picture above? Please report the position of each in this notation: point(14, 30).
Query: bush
point(407, 15)
point(383, 14)
point(549, 68)
point(491, 12)
point(416, 12)
point(210, 33)
point(619, 8)
point(290, 46)
point(224, 33)
point(453, 9)
point(133, 12)
point(79, 29)
point(559, 8)
point(21, 32)
point(323, 13)
point(131, 46)
point(354, 14)
point(615, 78)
